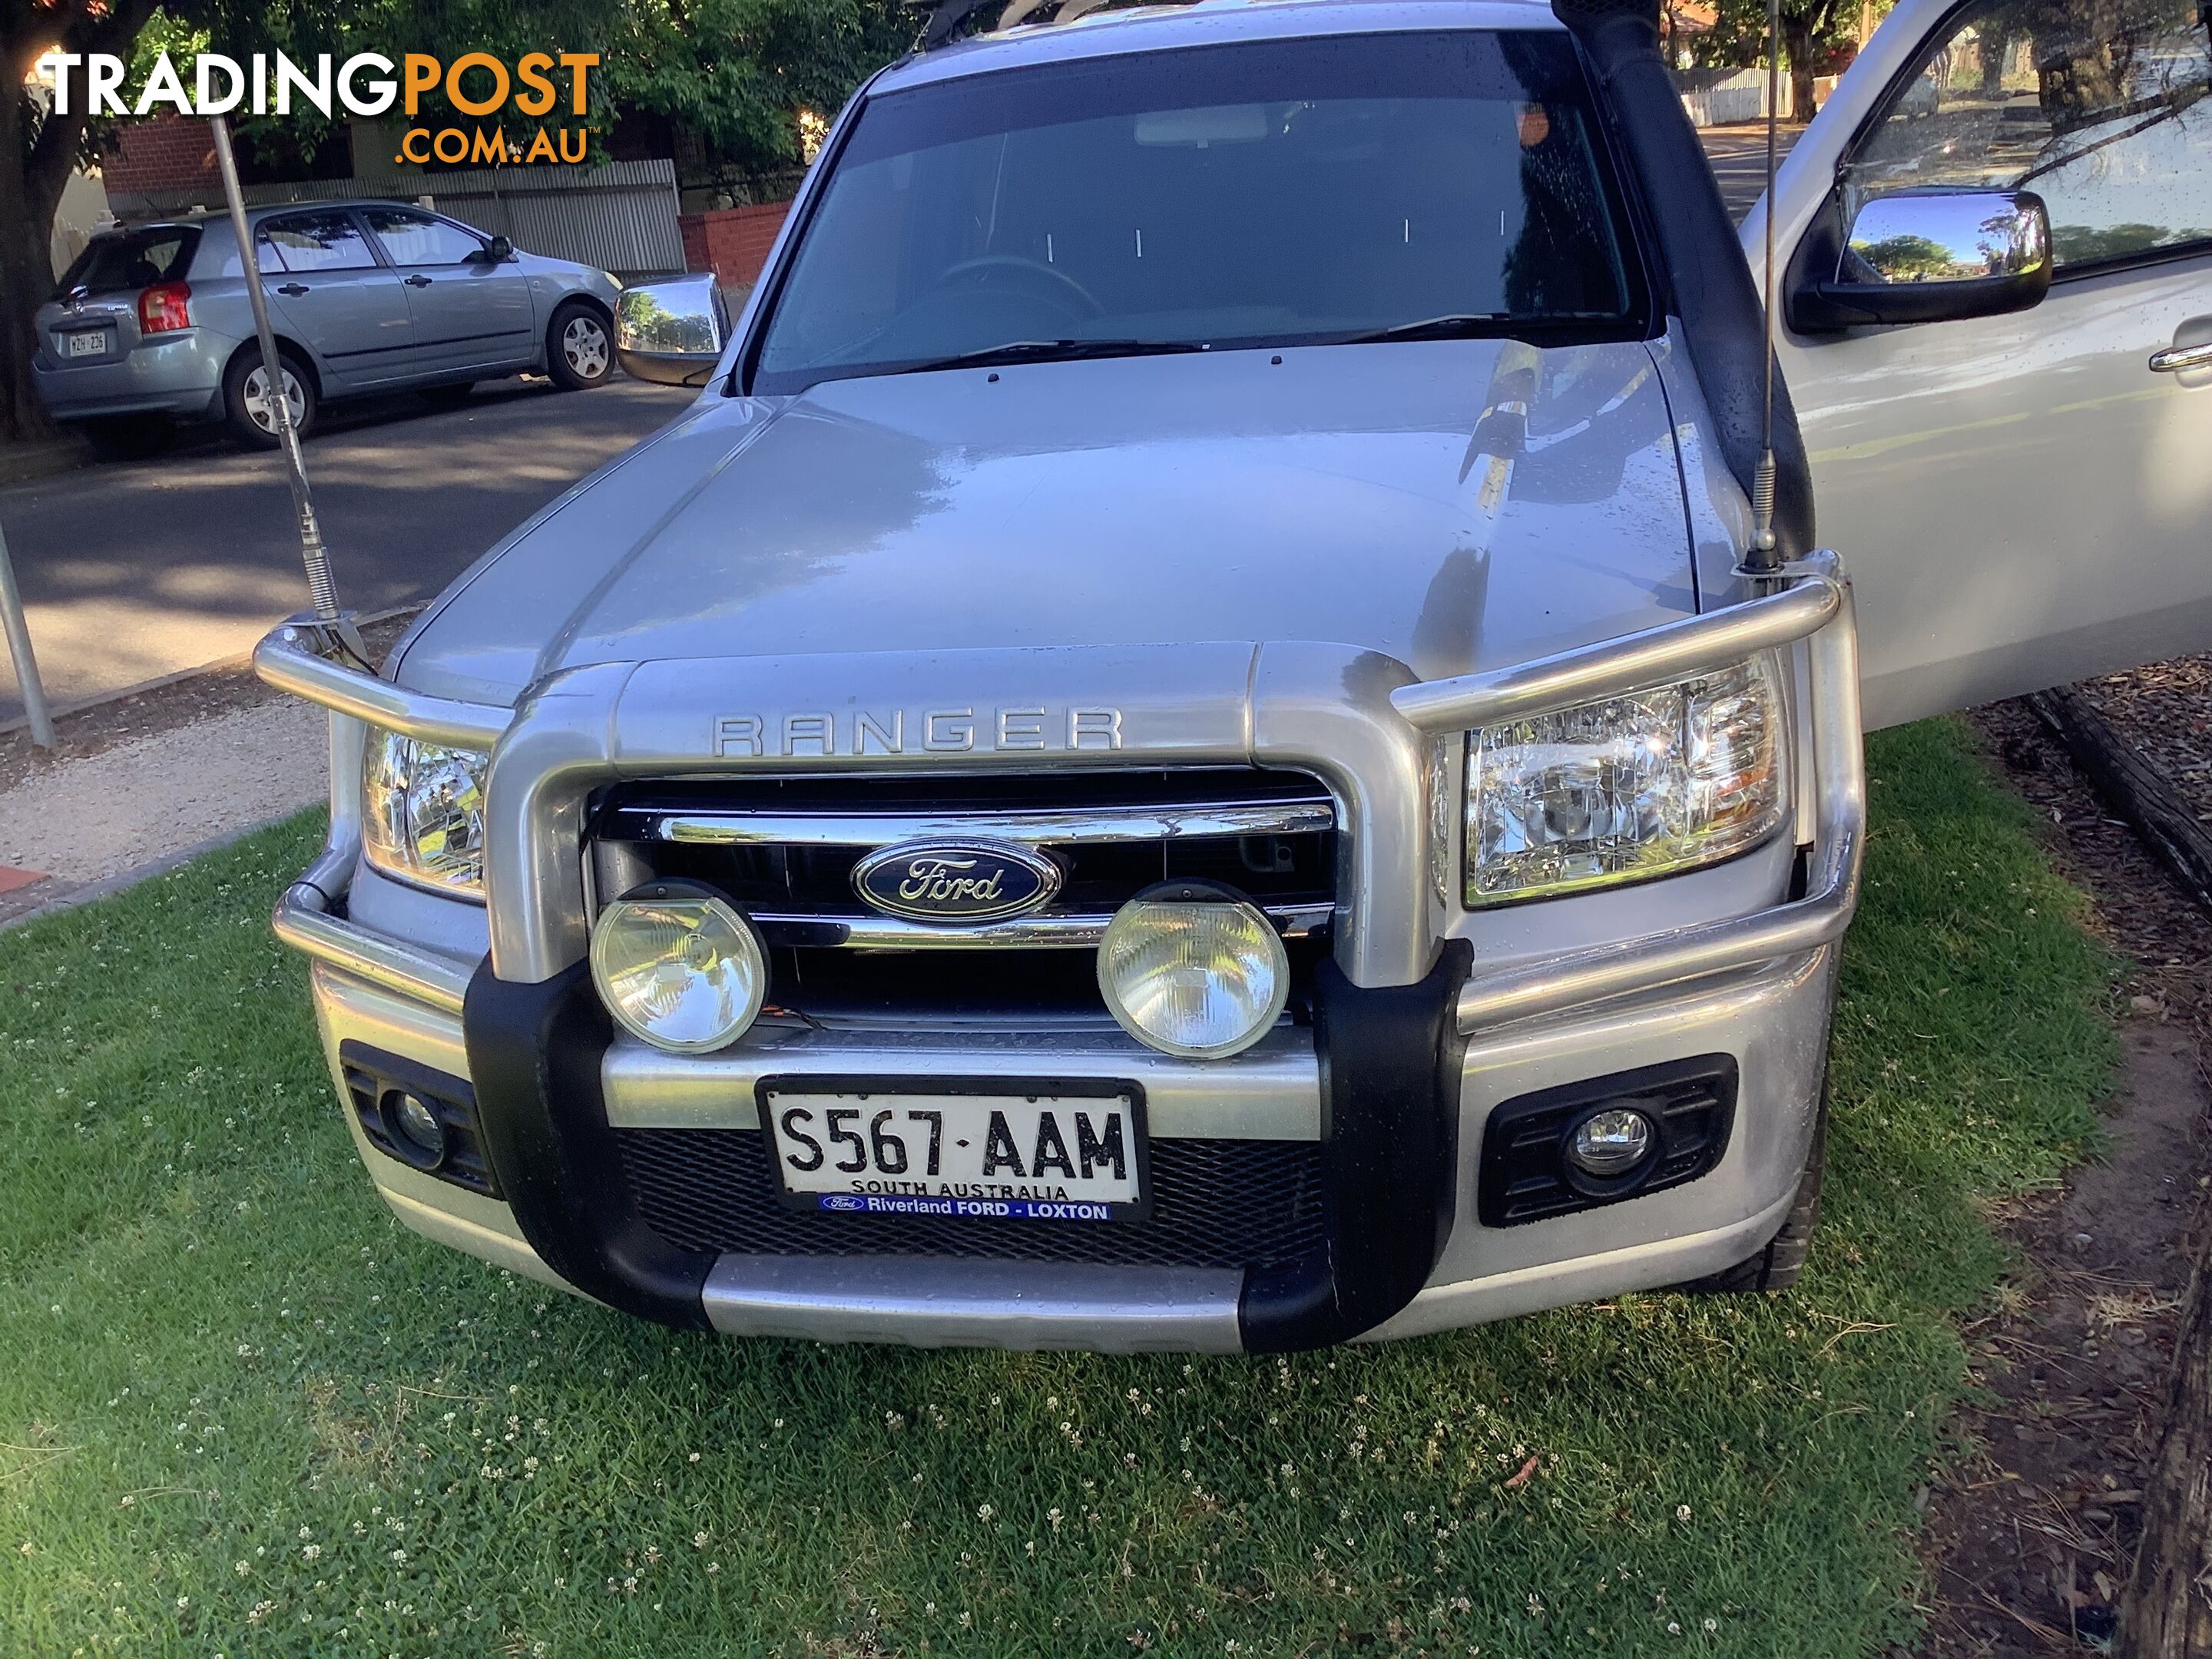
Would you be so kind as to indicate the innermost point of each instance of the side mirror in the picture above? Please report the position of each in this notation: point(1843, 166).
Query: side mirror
point(672, 332)
point(498, 249)
point(1932, 256)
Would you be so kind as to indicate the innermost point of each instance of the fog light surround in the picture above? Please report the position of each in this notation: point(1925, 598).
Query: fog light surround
point(679, 966)
point(1193, 969)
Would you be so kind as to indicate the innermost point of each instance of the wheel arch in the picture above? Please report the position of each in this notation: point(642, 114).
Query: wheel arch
point(582, 297)
point(286, 346)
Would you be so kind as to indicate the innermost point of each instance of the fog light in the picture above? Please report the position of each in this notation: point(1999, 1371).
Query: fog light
point(1610, 1143)
point(418, 1123)
point(1191, 969)
point(412, 1127)
point(677, 967)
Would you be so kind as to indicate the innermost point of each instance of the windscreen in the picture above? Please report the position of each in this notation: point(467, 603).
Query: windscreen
point(130, 259)
point(1276, 192)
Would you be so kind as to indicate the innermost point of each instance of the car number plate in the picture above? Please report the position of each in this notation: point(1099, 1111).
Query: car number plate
point(88, 343)
point(1056, 1155)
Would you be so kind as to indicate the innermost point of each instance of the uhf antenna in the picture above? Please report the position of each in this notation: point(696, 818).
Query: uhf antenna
point(1766, 558)
point(334, 631)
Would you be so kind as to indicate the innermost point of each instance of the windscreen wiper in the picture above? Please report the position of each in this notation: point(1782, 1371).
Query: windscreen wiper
point(1050, 351)
point(1481, 324)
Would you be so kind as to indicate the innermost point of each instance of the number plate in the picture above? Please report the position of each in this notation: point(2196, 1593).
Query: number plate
point(88, 343)
point(1071, 1150)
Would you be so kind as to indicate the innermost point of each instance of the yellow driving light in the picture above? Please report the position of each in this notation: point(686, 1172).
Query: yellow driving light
point(678, 967)
point(1193, 969)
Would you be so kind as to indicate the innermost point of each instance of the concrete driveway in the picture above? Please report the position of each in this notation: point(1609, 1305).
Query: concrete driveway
point(134, 571)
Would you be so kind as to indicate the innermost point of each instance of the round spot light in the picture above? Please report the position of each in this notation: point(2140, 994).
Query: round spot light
point(1610, 1144)
point(678, 967)
point(1193, 969)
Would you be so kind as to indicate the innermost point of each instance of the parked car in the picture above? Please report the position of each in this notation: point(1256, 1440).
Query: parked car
point(152, 325)
point(1195, 742)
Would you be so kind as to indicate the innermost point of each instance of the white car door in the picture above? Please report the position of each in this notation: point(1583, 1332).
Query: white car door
point(2023, 498)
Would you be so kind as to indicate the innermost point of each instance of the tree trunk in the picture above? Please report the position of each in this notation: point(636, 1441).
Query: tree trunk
point(27, 273)
point(1797, 52)
point(2167, 1611)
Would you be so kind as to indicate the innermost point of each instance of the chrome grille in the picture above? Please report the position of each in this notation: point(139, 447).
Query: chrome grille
point(785, 850)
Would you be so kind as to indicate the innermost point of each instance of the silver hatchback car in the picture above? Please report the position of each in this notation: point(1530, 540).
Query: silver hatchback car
point(152, 325)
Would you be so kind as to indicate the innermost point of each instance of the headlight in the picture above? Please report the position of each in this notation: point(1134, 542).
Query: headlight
point(1636, 786)
point(678, 968)
point(1190, 968)
point(422, 813)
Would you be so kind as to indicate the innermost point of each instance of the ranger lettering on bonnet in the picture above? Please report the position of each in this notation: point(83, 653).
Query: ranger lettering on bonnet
point(729, 917)
point(937, 731)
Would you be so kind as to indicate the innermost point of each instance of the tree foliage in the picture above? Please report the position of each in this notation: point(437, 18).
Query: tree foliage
point(1818, 37)
point(735, 73)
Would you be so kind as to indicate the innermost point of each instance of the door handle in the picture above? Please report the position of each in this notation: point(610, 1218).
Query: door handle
point(295, 289)
point(415, 279)
point(2174, 360)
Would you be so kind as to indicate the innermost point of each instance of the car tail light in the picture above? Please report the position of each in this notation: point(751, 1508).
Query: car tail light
point(164, 307)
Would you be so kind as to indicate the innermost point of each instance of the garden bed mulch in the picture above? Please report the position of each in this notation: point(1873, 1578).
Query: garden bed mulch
point(2166, 711)
point(2033, 1543)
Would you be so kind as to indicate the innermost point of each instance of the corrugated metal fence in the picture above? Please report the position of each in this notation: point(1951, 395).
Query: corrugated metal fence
point(620, 217)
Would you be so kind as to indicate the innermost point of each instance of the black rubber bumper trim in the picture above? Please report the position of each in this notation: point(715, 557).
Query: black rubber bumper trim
point(1390, 1062)
point(534, 1056)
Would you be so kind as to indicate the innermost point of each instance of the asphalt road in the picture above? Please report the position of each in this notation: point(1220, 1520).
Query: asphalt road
point(1738, 155)
point(134, 571)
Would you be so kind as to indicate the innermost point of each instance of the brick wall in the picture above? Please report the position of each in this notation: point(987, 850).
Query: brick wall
point(166, 152)
point(732, 242)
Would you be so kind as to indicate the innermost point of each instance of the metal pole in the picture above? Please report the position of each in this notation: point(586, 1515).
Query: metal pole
point(18, 648)
point(338, 633)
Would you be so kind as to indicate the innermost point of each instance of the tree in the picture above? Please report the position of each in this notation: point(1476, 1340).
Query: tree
point(736, 74)
point(1817, 36)
point(39, 150)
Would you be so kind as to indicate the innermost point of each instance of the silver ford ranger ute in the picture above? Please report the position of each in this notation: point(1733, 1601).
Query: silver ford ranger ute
point(1194, 744)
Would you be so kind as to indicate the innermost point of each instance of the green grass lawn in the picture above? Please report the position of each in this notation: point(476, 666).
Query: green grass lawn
point(241, 1411)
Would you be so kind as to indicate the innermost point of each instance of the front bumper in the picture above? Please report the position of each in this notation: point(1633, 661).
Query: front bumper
point(1412, 1051)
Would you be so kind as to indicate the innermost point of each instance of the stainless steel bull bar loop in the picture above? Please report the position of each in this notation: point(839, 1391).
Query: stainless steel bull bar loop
point(307, 916)
point(287, 660)
point(1816, 608)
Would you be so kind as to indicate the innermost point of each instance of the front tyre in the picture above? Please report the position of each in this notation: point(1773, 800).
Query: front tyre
point(580, 348)
point(1778, 1266)
point(246, 403)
